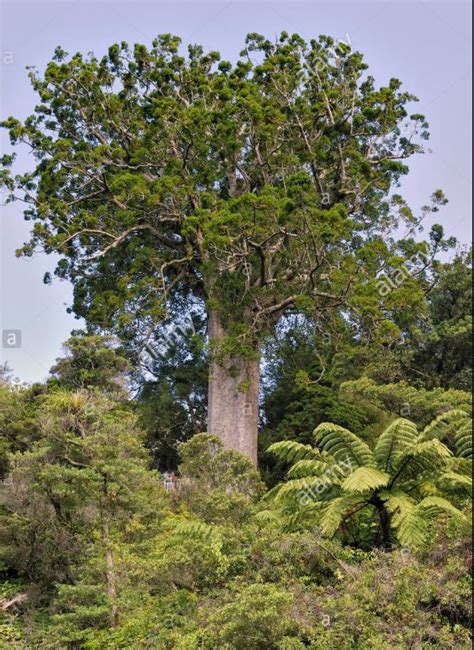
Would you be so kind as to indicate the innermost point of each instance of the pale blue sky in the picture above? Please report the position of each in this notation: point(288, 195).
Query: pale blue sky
point(423, 42)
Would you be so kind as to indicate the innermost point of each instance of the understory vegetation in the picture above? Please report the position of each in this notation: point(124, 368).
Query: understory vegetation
point(362, 542)
point(261, 439)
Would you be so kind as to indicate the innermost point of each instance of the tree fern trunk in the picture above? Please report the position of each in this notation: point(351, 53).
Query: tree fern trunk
point(385, 526)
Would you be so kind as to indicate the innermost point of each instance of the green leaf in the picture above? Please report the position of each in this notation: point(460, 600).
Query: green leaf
point(291, 451)
point(343, 445)
point(399, 436)
point(337, 510)
point(364, 479)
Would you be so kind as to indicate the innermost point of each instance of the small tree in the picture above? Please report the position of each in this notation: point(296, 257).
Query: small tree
point(256, 188)
point(405, 480)
point(92, 362)
point(77, 503)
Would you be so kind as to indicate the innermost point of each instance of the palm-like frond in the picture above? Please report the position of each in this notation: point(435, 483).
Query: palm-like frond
point(444, 426)
point(410, 519)
point(463, 439)
point(306, 490)
point(432, 506)
point(308, 467)
point(291, 451)
point(343, 445)
point(364, 479)
point(410, 527)
point(426, 456)
point(399, 436)
point(337, 511)
point(453, 480)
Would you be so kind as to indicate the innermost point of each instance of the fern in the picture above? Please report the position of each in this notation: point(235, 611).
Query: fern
point(292, 451)
point(410, 519)
point(403, 479)
point(444, 425)
point(453, 480)
point(365, 479)
point(463, 440)
point(336, 511)
point(423, 457)
point(308, 468)
point(306, 490)
point(432, 506)
point(399, 436)
point(410, 527)
point(343, 445)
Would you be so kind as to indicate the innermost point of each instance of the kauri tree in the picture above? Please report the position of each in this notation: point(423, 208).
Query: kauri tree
point(255, 188)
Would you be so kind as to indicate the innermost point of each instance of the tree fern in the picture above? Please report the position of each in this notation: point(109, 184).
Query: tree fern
point(403, 479)
point(343, 445)
point(424, 457)
point(453, 480)
point(410, 527)
point(292, 451)
point(432, 506)
point(308, 467)
point(308, 489)
point(336, 511)
point(365, 479)
point(444, 426)
point(399, 436)
point(463, 439)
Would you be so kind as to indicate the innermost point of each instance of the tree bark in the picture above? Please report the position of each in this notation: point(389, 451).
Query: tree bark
point(384, 518)
point(233, 397)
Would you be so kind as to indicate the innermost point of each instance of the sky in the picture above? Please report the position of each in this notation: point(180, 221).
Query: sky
point(424, 43)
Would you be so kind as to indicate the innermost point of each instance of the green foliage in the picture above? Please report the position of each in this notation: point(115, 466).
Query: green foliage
point(91, 362)
point(392, 481)
point(102, 558)
point(342, 445)
point(219, 485)
point(253, 187)
point(257, 618)
point(262, 190)
point(443, 354)
point(419, 404)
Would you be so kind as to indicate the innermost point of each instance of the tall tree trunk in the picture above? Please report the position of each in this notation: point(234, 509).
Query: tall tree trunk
point(233, 397)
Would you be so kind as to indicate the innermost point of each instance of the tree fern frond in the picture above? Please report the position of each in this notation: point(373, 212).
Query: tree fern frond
point(399, 436)
point(364, 479)
point(308, 467)
point(444, 425)
point(306, 490)
point(433, 506)
point(410, 527)
point(291, 451)
point(343, 445)
point(336, 511)
point(454, 480)
point(303, 518)
point(429, 455)
point(410, 519)
point(269, 516)
point(463, 439)
point(272, 494)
